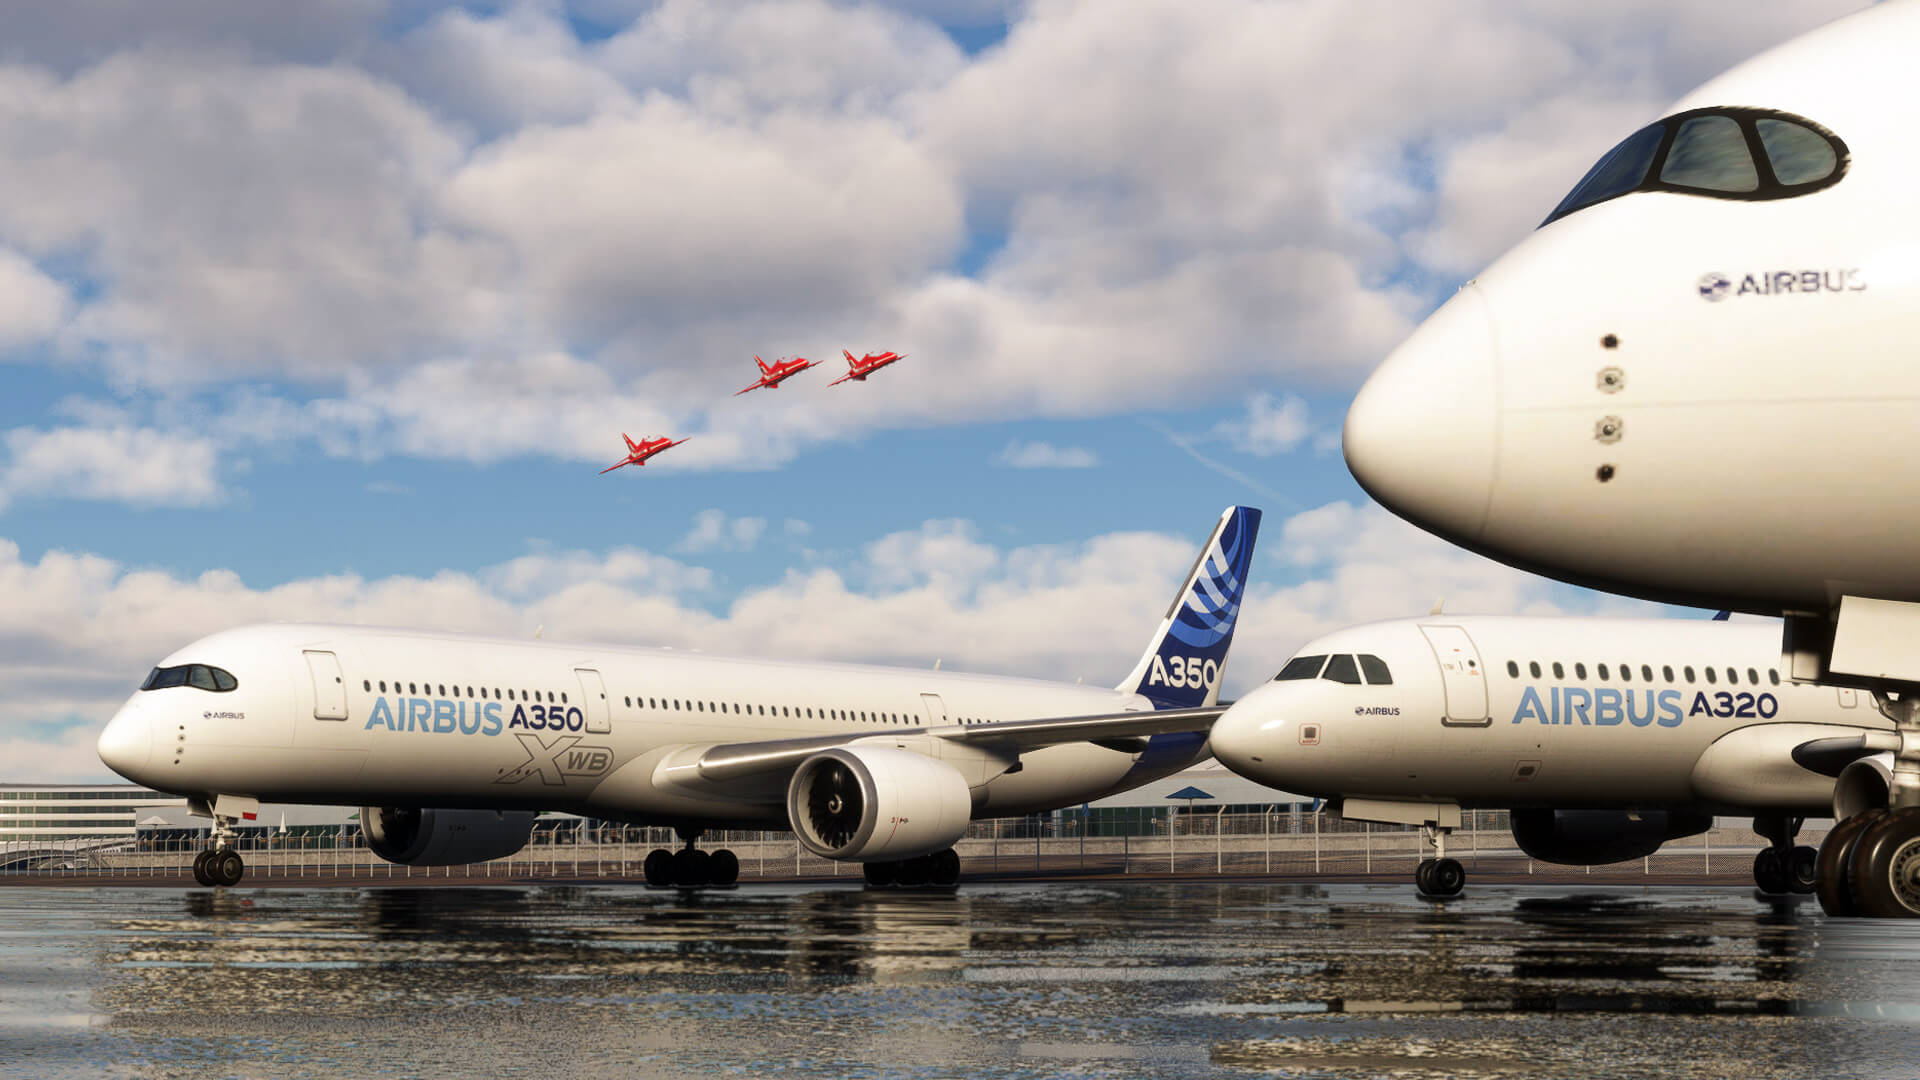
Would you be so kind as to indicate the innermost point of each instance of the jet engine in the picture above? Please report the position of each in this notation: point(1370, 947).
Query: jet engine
point(417, 837)
point(877, 804)
point(1598, 837)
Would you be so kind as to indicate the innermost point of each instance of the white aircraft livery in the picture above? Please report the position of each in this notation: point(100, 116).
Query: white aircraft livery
point(451, 743)
point(1696, 383)
point(1604, 737)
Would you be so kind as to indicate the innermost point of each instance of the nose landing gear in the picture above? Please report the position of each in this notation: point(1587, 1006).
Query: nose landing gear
point(1439, 877)
point(1783, 867)
point(690, 868)
point(219, 866)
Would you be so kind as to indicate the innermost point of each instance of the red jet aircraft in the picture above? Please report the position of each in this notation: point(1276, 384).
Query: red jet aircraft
point(772, 377)
point(639, 452)
point(858, 370)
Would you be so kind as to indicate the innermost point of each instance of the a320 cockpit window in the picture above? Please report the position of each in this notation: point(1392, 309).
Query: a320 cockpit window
point(198, 676)
point(1339, 668)
point(1749, 154)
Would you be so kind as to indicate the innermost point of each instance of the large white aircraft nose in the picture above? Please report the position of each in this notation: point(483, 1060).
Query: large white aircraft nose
point(127, 743)
point(1237, 738)
point(1420, 435)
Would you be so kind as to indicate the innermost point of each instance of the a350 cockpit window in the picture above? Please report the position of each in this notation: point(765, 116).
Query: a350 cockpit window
point(198, 676)
point(1747, 154)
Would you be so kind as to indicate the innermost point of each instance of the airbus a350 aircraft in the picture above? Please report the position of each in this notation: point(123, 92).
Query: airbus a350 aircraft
point(1605, 737)
point(1696, 382)
point(453, 743)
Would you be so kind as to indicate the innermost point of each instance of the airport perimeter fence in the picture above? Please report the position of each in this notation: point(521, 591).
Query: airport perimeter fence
point(1282, 844)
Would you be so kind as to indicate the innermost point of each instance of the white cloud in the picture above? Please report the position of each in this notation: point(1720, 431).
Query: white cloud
point(141, 466)
point(78, 631)
point(714, 530)
point(1269, 427)
point(1040, 455)
point(32, 305)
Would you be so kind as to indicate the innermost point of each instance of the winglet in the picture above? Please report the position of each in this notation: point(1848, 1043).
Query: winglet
point(1182, 665)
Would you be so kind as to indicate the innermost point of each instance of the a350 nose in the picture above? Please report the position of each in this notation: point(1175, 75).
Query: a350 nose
point(127, 743)
point(1420, 435)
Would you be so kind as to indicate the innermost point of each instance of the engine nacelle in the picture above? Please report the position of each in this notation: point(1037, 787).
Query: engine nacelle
point(430, 837)
point(1598, 837)
point(877, 804)
point(1866, 784)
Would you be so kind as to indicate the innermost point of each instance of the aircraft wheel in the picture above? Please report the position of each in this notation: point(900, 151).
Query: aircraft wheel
point(1421, 877)
point(881, 875)
point(724, 868)
point(200, 860)
point(1770, 872)
point(916, 872)
point(690, 868)
point(946, 867)
point(659, 868)
point(1802, 869)
point(226, 868)
point(1884, 872)
point(1836, 852)
point(1446, 878)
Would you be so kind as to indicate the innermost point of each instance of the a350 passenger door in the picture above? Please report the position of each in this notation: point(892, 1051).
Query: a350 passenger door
point(1461, 673)
point(329, 689)
point(593, 698)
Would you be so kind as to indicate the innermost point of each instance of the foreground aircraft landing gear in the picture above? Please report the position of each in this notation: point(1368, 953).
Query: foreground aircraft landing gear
point(219, 866)
point(1439, 876)
point(940, 870)
point(1870, 862)
point(691, 868)
point(1783, 867)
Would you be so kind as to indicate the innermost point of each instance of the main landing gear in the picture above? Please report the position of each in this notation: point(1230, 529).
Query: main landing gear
point(1439, 876)
point(939, 870)
point(219, 866)
point(1783, 867)
point(1869, 863)
point(690, 868)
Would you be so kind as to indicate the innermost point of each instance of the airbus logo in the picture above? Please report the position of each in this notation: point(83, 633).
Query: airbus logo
point(1715, 286)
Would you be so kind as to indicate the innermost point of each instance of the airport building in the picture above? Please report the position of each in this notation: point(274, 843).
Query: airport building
point(87, 813)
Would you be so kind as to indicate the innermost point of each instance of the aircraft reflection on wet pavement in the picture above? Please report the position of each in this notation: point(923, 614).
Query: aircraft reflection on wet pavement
point(1188, 979)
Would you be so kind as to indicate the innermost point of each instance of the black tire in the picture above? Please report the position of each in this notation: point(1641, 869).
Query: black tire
point(914, 873)
point(1884, 872)
point(946, 867)
point(1830, 874)
point(690, 868)
point(1421, 876)
point(881, 875)
point(226, 868)
point(1770, 872)
point(659, 868)
point(724, 868)
point(1447, 877)
point(200, 860)
point(1803, 869)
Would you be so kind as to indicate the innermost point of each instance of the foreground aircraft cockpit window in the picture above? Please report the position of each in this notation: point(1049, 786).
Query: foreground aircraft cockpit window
point(1376, 670)
point(198, 676)
point(1729, 153)
point(1302, 667)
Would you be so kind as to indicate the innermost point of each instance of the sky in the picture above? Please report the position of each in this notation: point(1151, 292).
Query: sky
point(333, 311)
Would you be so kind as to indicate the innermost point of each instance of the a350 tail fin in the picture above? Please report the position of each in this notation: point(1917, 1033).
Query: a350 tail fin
point(1182, 665)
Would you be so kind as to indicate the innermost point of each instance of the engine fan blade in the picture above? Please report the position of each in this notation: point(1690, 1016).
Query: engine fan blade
point(834, 804)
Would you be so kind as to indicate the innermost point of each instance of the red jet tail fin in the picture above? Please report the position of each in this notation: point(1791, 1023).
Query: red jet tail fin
point(632, 447)
point(850, 360)
point(764, 369)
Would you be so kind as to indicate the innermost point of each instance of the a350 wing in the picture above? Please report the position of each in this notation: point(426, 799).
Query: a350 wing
point(737, 761)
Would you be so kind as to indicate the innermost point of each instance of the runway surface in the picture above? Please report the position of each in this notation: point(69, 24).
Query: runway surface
point(1178, 979)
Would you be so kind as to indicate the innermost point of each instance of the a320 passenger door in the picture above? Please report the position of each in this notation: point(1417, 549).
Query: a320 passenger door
point(1462, 675)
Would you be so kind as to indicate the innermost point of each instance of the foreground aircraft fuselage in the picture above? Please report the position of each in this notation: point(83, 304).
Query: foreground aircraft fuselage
point(451, 742)
point(1698, 383)
point(1605, 737)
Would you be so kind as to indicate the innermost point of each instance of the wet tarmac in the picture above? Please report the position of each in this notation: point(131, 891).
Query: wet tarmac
point(1180, 979)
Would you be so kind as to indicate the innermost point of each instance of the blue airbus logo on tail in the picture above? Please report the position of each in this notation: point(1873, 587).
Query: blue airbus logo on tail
point(1183, 668)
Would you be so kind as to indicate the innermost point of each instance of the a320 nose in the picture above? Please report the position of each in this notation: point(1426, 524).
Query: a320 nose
point(127, 743)
point(1420, 435)
point(1236, 737)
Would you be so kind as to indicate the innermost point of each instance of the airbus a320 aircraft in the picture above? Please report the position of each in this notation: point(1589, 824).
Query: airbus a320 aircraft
point(453, 743)
point(1605, 737)
point(1696, 382)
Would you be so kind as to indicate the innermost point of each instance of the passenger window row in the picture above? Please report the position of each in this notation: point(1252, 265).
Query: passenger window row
point(864, 716)
point(1719, 153)
point(1625, 673)
point(1340, 667)
point(445, 690)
